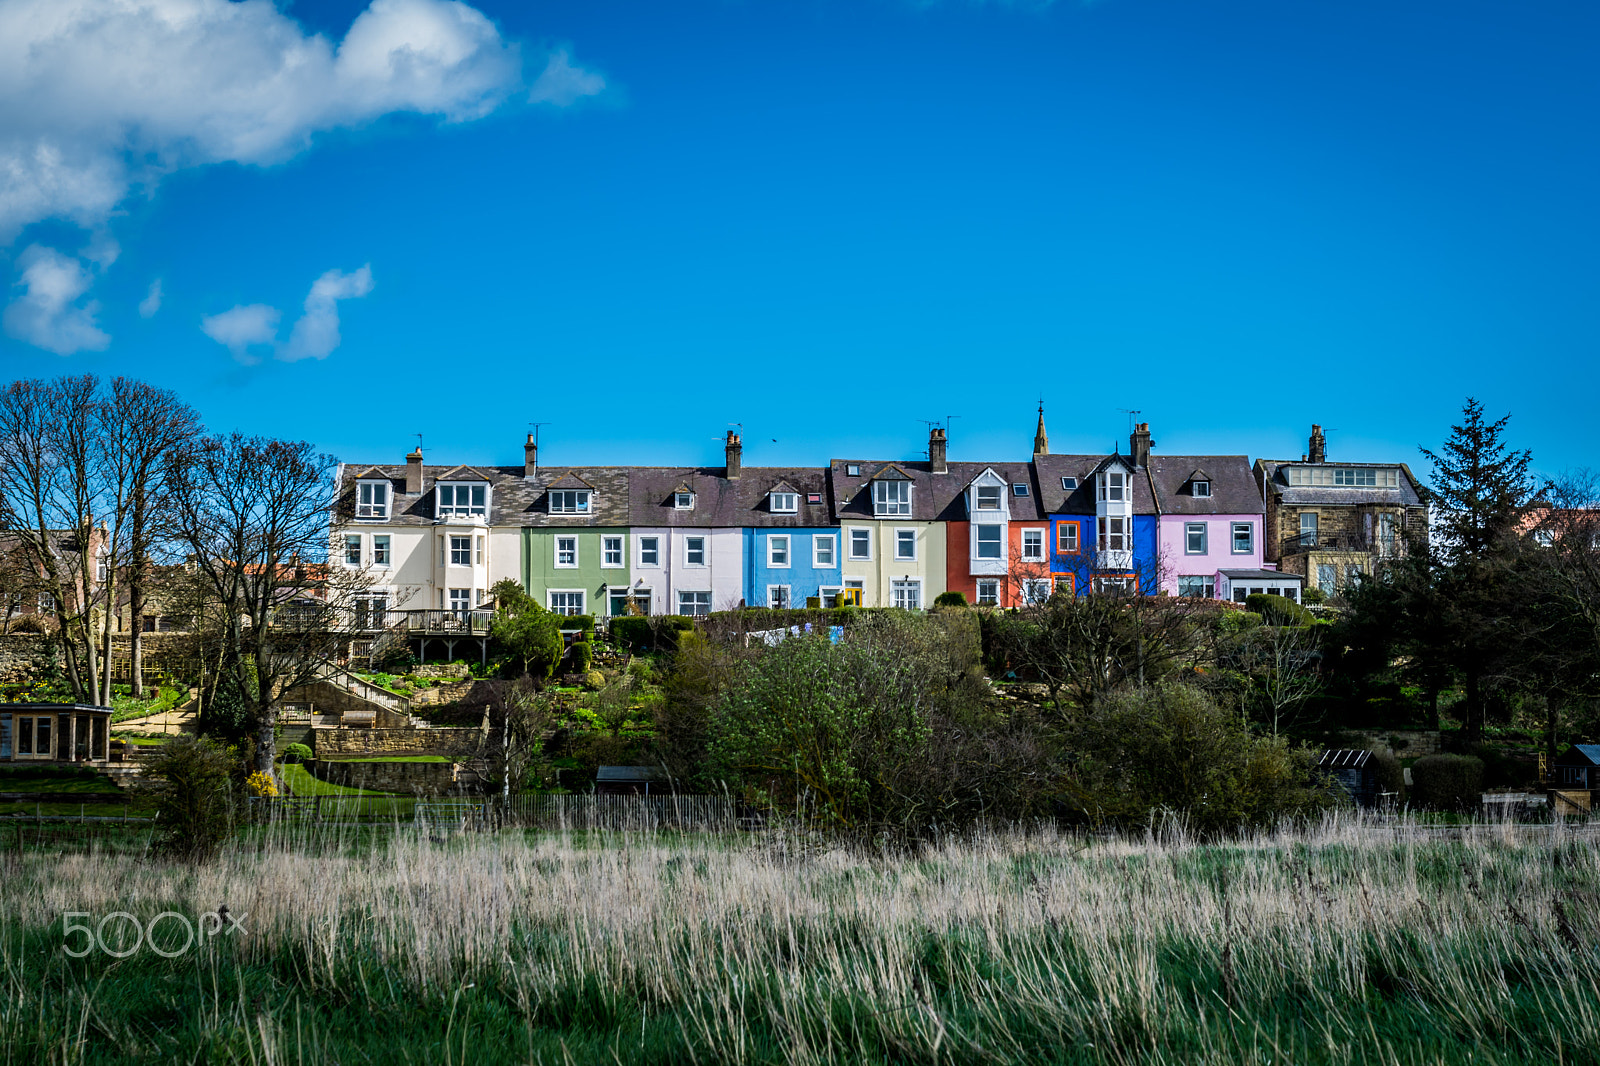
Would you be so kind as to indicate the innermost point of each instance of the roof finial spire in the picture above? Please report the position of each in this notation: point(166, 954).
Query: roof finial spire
point(1041, 439)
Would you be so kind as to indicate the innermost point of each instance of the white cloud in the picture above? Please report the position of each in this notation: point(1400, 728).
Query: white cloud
point(242, 327)
point(563, 84)
point(317, 332)
point(152, 301)
point(99, 96)
point(47, 313)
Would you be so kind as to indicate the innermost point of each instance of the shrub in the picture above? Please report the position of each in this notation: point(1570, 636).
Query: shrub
point(642, 635)
point(261, 784)
point(528, 633)
point(1313, 597)
point(1278, 610)
point(1447, 782)
point(583, 622)
point(641, 671)
point(194, 796)
point(297, 753)
point(952, 598)
point(582, 654)
point(1390, 775)
point(1237, 621)
point(594, 679)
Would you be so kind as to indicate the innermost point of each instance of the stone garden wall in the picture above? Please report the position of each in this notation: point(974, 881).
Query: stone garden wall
point(461, 742)
point(406, 778)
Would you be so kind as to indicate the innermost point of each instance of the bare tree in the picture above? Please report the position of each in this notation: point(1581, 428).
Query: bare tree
point(521, 718)
point(254, 515)
point(49, 502)
point(143, 433)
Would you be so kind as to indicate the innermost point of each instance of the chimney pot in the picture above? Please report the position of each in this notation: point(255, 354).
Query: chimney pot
point(414, 473)
point(734, 450)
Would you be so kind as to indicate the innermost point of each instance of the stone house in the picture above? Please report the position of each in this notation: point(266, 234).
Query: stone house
point(1332, 523)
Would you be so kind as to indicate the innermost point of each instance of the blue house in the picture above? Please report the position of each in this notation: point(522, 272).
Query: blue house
point(1103, 523)
point(788, 560)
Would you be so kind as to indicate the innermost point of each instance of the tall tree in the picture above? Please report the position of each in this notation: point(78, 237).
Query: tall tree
point(254, 515)
point(1480, 486)
point(143, 433)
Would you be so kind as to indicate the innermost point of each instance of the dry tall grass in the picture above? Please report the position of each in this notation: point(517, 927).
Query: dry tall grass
point(1350, 942)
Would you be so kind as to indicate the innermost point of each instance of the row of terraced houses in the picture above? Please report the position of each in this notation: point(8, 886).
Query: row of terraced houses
point(613, 540)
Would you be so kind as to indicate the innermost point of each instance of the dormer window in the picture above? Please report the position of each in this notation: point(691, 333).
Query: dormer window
point(683, 501)
point(1069, 483)
point(1200, 488)
point(891, 498)
point(988, 497)
point(569, 501)
point(462, 500)
point(783, 502)
point(372, 499)
point(1112, 485)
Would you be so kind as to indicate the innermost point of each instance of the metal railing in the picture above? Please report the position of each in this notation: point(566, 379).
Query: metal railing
point(1383, 546)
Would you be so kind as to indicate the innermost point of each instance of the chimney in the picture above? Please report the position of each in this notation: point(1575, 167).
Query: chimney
point(1319, 445)
point(937, 443)
point(735, 453)
point(530, 458)
point(414, 472)
point(1139, 445)
point(1041, 440)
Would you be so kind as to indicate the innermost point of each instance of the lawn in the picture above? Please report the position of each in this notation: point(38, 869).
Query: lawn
point(302, 782)
point(55, 780)
point(1343, 944)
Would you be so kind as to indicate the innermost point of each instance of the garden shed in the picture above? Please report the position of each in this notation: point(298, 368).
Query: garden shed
point(1577, 767)
point(1355, 771)
point(53, 732)
point(631, 781)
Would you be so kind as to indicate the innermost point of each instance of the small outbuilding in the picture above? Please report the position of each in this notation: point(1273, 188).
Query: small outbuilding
point(1577, 768)
point(632, 781)
point(1356, 772)
point(53, 733)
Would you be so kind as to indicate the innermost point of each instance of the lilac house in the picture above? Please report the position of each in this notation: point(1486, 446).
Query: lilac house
point(1210, 518)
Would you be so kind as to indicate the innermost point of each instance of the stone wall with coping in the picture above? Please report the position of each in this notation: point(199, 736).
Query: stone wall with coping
point(450, 741)
point(406, 778)
point(1412, 743)
point(24, 657)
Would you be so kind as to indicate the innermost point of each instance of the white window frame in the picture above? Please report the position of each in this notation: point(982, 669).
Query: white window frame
point(1019, 489)
point(352, 540)
point(778, 544)
point(570, 501)
point(565, 609)
point(1069, 484)
point(821, 542)
point(382, 550)
point(572, 564)
point(689, 549)
point(1207, 582)
point(883, 506)
point(1190, 531)
point(683, 501)
point(829, 595)
point(1113, 492)
point(1201, 489)
point(1114, 540)
point(788, 601)
point(783, 502)
point(460, 550)
point(373, 509)
point(1038, 535)
point(1249, 531)
point(988, 497)
point(694, 608)
point(858, 534)
point(899, 589)
point(454, 509)
point(650, 556)
point(607, 552)
point(998, 533)
point(1077, 538)
point(1036, 590)
point(483, 548)
point(459, 596)
point(992, 587)
point(900, 535)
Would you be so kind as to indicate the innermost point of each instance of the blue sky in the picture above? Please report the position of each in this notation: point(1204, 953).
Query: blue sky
point(826, 220)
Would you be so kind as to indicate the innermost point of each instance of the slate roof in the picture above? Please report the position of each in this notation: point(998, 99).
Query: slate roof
point(1080, 501)
point(934, 497)
point(721, 503)
point(514, 500)
point(1233, 486)
point(1276, 481)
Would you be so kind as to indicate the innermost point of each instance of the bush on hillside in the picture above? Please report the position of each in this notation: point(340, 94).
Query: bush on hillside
point(194, 789)
point(1447, 782)
point(640, 636)
point(1278, 610)
point(297, 753)
point(580, 656)
point(952, 598)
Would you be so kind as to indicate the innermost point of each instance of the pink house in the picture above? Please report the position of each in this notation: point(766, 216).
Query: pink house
point(1210, 519)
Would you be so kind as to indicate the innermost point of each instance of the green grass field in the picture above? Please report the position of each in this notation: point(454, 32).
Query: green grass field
point(1345, 944)
point(302, 782)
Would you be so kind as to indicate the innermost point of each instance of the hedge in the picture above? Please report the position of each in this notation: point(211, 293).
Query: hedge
point(952, 598)
point(1447, 782)
point(582, 656)
point(1278, 610)
point(640, 635)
